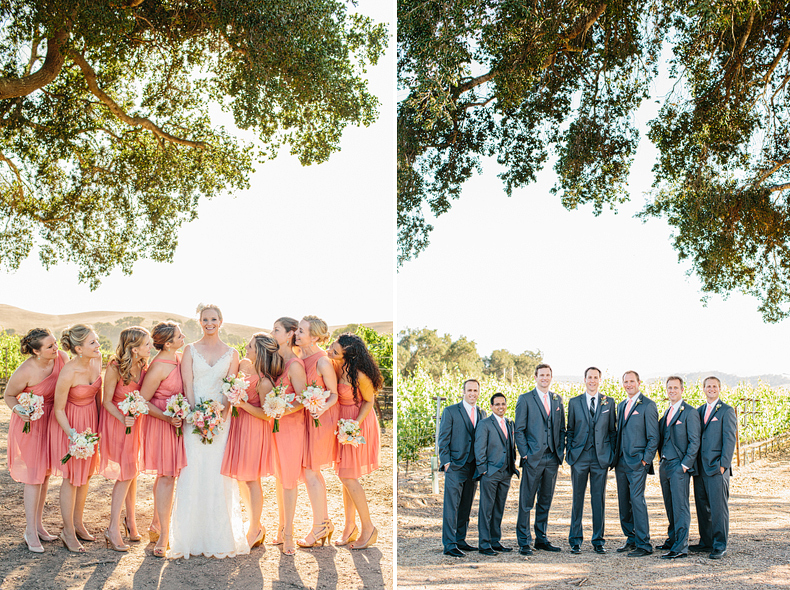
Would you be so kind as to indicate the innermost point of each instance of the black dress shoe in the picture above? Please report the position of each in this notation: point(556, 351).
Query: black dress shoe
point(599, 549)
point(667, 546)
point(547, 546)
point(717, 553)
point(454, 552)
point(576, 549)
point(525, 550)
point(674, 555)
point(501, 549)
point(464, 546)
point(699, 548)
point(626, 547)
point(639, 552)
point(488, 551)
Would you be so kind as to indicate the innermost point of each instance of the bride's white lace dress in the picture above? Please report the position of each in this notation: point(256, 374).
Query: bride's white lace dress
point(206, 516)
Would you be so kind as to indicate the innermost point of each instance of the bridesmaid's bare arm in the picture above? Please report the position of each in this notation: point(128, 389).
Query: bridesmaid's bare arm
point(155, 375)
point(264, 387)
point(327, 370)
point(18, 381)
point(111, 378)
point(64, 383)
point(298, 379)
point(368, 394)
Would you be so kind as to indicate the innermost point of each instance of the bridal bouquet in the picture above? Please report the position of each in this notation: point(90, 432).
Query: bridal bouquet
point(207, 418)
point(83, 445)
point(276, 404)
point(133, 404)
point(177, 407)
point(32, 407)
point(235, 389)
point(349, 433)
point(314, 398)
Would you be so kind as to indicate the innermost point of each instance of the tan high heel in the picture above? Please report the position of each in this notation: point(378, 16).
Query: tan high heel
point(259, 540)
point(350, 539)
point(126, 531)
point(288, 550)
point(324, 534)
point(30, 547)
point(371, 540)
point(46, 536)
point(86, 537)
point(161, 551)
point(79, 549)
point(282, 532)
point(110, 545)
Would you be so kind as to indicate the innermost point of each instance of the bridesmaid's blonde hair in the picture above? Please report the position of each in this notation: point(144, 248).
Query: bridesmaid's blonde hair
point(130, 338)
point(204, 306)
point(75, 336)
point(268, 363)
point(318, 328)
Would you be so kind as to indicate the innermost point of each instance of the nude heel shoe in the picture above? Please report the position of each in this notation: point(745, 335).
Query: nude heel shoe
point(288, 550)
point(371, 540)
point(260, 539)
point(110, 545)
point(126, 529)
point(38, 549)
point(79, 549)
point(323, 534)
point(350, 539)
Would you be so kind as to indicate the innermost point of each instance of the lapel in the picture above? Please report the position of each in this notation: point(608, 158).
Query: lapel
point(601, 399)
point(713, 412)
point(633, 407)
point(498, 428)
point(537, 397)
point(466, 419)
point(585, 408)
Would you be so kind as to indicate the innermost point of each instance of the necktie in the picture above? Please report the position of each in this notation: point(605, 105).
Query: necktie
point(669, 414)
point(707, 412)
point(546, 403)
point(472, 416)
point(592, 406)
point(502, 425)
point(628, 408)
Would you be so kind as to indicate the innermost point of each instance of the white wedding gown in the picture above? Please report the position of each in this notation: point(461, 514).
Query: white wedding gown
point(206, 517)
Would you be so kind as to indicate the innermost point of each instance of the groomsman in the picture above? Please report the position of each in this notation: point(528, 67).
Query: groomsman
point(637, 441)
point(714, 468)
point(678, 445)
point(591, 440)
point(540, 438)
point(457, 458)
point(495, 450)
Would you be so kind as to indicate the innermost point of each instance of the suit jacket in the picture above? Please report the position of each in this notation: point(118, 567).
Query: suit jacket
point(492, 451)
point(532, 431)
point(717, 443)
point(683, 433)
point(457, 435)
point(637, 437)
point(604, 428)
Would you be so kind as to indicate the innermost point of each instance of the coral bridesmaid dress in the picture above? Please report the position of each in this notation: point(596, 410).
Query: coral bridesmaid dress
point(121, 453)
point(29, 459)
point(82, 414)
point(353, 462)
point(321, 441)
point(290, 440)
point(249, 450)
point(163, 450)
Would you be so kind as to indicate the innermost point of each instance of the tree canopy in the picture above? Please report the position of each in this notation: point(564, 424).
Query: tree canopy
point(529, 81)
point(107, 141)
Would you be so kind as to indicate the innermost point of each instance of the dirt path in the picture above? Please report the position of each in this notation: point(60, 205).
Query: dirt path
point(758, 553)
point(320, 568)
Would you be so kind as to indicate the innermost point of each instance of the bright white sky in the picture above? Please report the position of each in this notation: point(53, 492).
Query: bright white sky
point(303, 240)
point(522, 273)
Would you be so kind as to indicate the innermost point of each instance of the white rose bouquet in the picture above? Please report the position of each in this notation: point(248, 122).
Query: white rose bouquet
point(32, 406)
point(83, 445)
point(314, 399)
point(235, 389)
point(133, 404)
point(177, 407)
point(349, 433)
point(276, 403)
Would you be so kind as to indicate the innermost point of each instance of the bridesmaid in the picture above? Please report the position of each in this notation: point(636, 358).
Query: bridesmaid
point(28, 452)
point(77, 401)
point(120, 456)
point(289, 441)
point(359, 379)
point(321, 441)
point(248, 453)
point(163, 450)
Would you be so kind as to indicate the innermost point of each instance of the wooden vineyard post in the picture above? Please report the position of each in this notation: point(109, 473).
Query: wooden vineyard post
point(435, 458)
point(737, 440)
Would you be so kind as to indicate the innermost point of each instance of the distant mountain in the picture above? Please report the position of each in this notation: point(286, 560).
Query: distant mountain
point(21, 320)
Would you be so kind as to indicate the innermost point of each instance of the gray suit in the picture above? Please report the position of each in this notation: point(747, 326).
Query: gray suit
point(637, 441)
point(496, 462)
point(540, 438)
point(711, 486)
point(591, 442)
point(457, 447)
point(678, 445)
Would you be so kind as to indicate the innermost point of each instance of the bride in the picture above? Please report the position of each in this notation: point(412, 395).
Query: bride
point(207, 513)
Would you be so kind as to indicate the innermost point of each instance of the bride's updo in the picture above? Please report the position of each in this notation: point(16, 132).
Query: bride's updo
point(268, 363)
point(204, 306)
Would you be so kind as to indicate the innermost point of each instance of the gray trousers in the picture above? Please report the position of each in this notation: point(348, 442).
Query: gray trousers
point(459, 493)
point(536, 481)
point(631, 502)
point(493, 493)
point(711, 497)
point(675, 489)
point(587, 466)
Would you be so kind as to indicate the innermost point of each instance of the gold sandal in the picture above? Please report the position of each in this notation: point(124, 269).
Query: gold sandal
point(292, 550)
point(324, 534)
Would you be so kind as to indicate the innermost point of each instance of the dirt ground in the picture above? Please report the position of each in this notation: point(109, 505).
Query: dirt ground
point(319, 568)
point(758, 555)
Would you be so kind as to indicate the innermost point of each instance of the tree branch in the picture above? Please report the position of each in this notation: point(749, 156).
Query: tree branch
point(469, 84)
point(779, 187)
point(20, 191)
point(49, 70)
point(115, 109)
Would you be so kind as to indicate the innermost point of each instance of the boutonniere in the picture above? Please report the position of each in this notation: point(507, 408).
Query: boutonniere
point(556, 397)
point(639, 401)
point(681, 408)
point(605, 400)
point(717, 405)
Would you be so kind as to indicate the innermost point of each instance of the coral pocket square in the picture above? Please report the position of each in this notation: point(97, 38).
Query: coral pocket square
point(635, 413)
point(714, 419)
point(559, 409)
